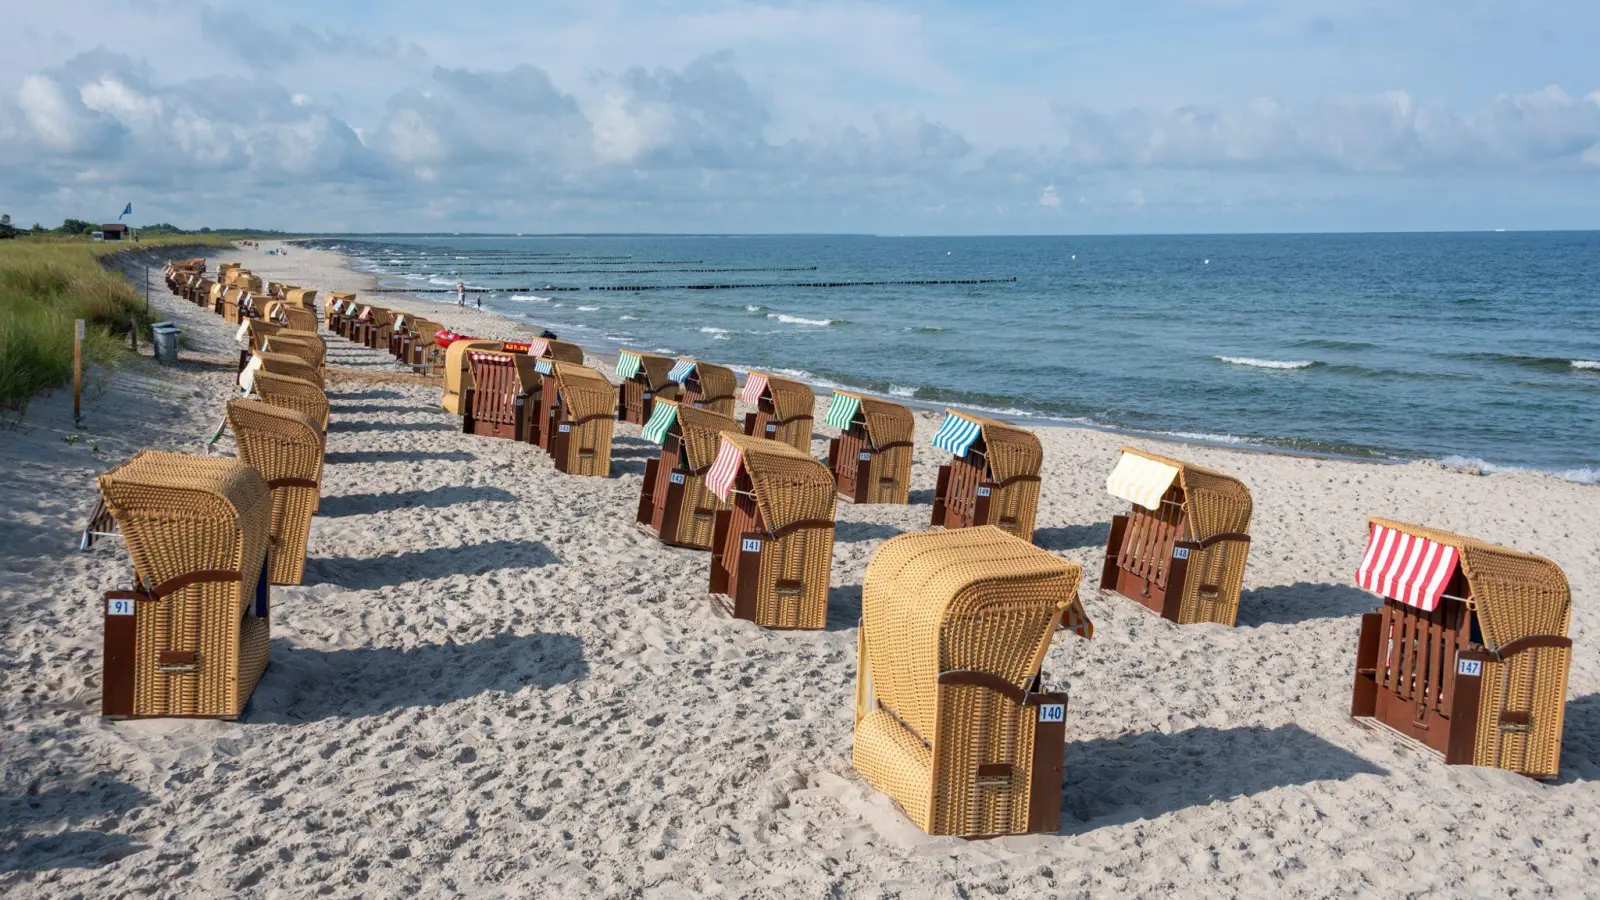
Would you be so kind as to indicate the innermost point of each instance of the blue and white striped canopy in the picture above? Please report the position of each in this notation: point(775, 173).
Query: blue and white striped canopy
point(543, 367)
point(957, 434)
point(681, 370)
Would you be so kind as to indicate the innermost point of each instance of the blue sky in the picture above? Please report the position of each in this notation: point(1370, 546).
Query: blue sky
point(933, 117)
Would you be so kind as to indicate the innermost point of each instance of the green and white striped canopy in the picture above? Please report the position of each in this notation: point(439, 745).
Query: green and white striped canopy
point(842, 411)
point(660, 422)
point(628, 364)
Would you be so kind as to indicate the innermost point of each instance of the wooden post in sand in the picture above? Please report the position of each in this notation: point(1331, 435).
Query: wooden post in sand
point(77, 371)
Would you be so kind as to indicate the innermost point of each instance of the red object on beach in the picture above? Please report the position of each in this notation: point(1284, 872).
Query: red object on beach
point(443, 339)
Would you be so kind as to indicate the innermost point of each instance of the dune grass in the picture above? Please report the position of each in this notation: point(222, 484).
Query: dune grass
point(45, 285)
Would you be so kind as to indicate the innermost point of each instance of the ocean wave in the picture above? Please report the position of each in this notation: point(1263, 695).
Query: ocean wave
point(1553, 364)
point(1473, 465)
point(627, 318)
point(1204, 437)
point(711, 330)
point(900, 390)
point(587, 308)
point(1268, 363)
point(754, 307)
point(923, 329)
point(797, 320)
point(530, 298)
point(1586, 364)
point(463, 257)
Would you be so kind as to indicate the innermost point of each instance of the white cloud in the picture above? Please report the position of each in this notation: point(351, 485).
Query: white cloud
point(1050, 198)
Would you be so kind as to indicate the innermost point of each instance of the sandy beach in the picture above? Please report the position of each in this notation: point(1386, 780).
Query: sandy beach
point(492, 684)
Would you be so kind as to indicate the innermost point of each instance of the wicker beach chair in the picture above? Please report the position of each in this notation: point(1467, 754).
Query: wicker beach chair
point(376, 335)
point(675, 505)
point(214, 297)
point(871, 459)
point(586, 418)
point(308, 347)
point(190, 639)
point(550, 348)
point(333, 307)
point(286, 447)
point(644, 378)
point(305, 298)
point(299, 318)
point(705, 386)
point(1469, 652)
point(952, 717)
point(994, 477)
point(497, 403)
point(772, 548)
point(457, 397)
point(783, 409)
point(427, 354)
point(1181, 549)
point(400, 330)
point(291, 365)
point(293, 393)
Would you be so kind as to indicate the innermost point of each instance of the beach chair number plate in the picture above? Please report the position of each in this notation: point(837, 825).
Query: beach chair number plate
point(865, 456)
point(565, 428)
point(983, 492)
point(648, 395)
point(1473, 667)
point(119, 607)
point(771, 428)
point(1052, 712)
point(677, 478)
point(1180, 553)
point(751, 545)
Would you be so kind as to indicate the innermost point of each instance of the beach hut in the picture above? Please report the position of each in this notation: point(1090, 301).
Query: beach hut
point(583, 415)
point(783, 409)
point(293, 393)
point(457, 397)
point(675, 505)
point(705, 386)
point(497, 403)
point(772, 548)
point(1181, 548)
point(871, 459)
point(994, 477)
point(1469, 652)
point(644, 378)
point(190, 638)
point(952, 717)
point(285, 446)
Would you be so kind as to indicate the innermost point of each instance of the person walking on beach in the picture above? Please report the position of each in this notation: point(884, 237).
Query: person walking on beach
point(461, 293)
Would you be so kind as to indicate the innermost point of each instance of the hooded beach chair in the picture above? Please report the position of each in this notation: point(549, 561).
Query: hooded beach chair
point(1181, 548)
point(252, 336)
point(871, 459)
point(584, 408)
point(377, 333)
point(772, 549)
point(333, 307)
point(497, 404)
point(675, 505)
point(550, 348)
point(214, 297)
point(644, 378)
point(1469, 652)
point(291, 365)
point(286, 447)
point(457, 397)
point(305, 298)
point(705, 386)
point(293, 393)
point(299, 318)
point(783, 410)
point(994, 477)
point(952, 717)
point(190, 638)
point(306, 346)
point(402, 329)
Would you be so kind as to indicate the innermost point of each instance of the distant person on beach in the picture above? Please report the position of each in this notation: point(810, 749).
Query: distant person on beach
point(461, 293)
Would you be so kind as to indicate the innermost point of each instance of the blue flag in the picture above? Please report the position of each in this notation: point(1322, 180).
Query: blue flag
point(126, 211)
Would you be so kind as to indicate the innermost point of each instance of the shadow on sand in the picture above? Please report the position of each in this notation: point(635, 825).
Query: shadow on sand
point(1290, 604)
point(78, 848)
point(1072, 537)
point(449, 495)
point(427, 565)
point(1148, 774)
point(304, 685)
point(386, 456)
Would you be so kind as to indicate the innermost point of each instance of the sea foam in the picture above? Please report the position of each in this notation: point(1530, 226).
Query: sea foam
point(1268, 363)
point(1585, 364)
point(796, 320)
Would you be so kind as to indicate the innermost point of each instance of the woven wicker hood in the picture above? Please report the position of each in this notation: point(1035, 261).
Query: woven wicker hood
point(789, 485)
point(700, 430)
point(1012, 451)
point(790, 398)
point(887, 423)
point(584, 392)
point(715, 380)
point(1516, 594)
point(1217, 503)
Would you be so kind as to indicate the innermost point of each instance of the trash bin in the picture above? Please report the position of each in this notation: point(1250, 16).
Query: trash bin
point(165, 336)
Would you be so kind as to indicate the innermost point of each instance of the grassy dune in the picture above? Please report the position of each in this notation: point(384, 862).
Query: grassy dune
point(45, 284)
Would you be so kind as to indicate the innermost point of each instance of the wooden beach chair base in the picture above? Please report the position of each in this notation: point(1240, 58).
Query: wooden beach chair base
point(661, 511)
point(1147, 562)
point(858, 473)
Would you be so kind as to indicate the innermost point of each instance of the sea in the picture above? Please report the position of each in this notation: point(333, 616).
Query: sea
point(1476, 349)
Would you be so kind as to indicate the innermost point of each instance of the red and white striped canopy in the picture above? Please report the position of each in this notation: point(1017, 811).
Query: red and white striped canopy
point(754, 384)
point(724, 469)
point(1407, 568)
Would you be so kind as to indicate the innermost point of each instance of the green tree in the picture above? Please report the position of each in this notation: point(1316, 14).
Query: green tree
point(76, 226)
point(6, 231)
